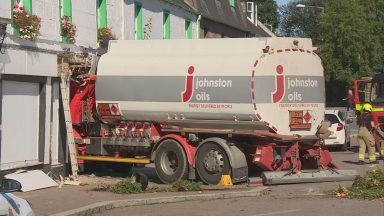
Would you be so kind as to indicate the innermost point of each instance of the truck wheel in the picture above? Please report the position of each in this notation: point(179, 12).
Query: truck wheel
point(170, 162)
point(211, 163)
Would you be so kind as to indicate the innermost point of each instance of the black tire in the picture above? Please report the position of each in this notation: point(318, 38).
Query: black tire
point(171, 162)
point(211, 163)
point(142, 179)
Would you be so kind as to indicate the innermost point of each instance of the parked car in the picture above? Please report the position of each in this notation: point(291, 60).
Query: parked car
point(11, 204)
point(339, 128)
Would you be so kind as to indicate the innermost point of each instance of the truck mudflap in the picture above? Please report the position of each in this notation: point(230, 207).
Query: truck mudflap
point(307, 176)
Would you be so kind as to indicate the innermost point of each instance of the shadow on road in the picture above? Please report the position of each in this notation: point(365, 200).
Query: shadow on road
point(351, 162)
point(354, 149)
point(122, 170)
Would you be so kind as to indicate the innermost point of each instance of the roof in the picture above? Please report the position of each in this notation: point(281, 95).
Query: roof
point(259, 31)
point(181, 4)
point(222, 12)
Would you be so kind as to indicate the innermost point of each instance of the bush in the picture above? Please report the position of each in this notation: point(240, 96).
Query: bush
point(371, 186)
point(127, 186)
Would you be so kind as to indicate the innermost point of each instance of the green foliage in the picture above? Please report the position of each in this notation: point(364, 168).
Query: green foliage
point(127, 186)
point(182, 185)
point(267, 13)
point(371, 186)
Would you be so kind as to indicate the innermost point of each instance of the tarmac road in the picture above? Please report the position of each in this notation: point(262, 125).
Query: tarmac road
point(259, 206)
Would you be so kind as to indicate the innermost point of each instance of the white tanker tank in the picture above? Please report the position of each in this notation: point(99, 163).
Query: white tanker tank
point(276, 82)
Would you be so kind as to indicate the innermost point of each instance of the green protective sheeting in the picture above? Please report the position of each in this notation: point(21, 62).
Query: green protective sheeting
point(102, 13)
point(65, 10)
point(166, 25)
point(188, 29)
point(138, 22)
point(28, 5)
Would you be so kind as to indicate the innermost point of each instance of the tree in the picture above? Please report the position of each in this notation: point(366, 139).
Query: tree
point(374, 10)
point(268, 13)
point(300, 22)
point(349, 39)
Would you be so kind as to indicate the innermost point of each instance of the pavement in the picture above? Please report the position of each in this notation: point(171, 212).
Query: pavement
point(87, 200)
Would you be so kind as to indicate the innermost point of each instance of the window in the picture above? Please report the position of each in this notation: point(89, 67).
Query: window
point(341, 115)
point(205, 32)
point(101, 13)
point(65, 10)
point(26, 3)
point(250, 10)
point(166, 25)
point(28, 7)
point(332, 118)
point(188, 29)
point(138, 22)
point(232, 2)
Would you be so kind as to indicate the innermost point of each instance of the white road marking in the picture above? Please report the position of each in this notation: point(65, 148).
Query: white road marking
point(278, 212)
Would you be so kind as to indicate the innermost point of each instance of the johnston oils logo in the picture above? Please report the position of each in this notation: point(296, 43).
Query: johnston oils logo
point(199, 89)
point(291, 89)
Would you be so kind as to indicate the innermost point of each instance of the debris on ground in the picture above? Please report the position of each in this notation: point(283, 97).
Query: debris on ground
point(370, 186)
point(32, 180)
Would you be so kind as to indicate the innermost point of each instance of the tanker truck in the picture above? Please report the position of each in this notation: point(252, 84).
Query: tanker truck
point(201, 109)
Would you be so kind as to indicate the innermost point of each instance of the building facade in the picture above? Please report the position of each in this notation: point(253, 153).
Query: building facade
point(32, 131)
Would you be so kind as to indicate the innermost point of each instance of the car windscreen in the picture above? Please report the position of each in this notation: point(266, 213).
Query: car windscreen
point(332, 118)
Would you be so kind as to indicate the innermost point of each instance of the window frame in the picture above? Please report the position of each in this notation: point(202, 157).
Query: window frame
point(28, 7)
point(101, 7)
point(166, 25)
point(138, 21)
point(65, 10)
point(188, 29)
point(232, 3)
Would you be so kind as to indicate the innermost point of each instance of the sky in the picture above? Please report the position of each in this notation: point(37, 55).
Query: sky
point(281, 2)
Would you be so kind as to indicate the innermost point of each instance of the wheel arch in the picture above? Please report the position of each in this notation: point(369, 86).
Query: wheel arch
point(236, 157)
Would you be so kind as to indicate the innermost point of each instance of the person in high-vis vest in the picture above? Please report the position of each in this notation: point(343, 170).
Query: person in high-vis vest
point(365, 137)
